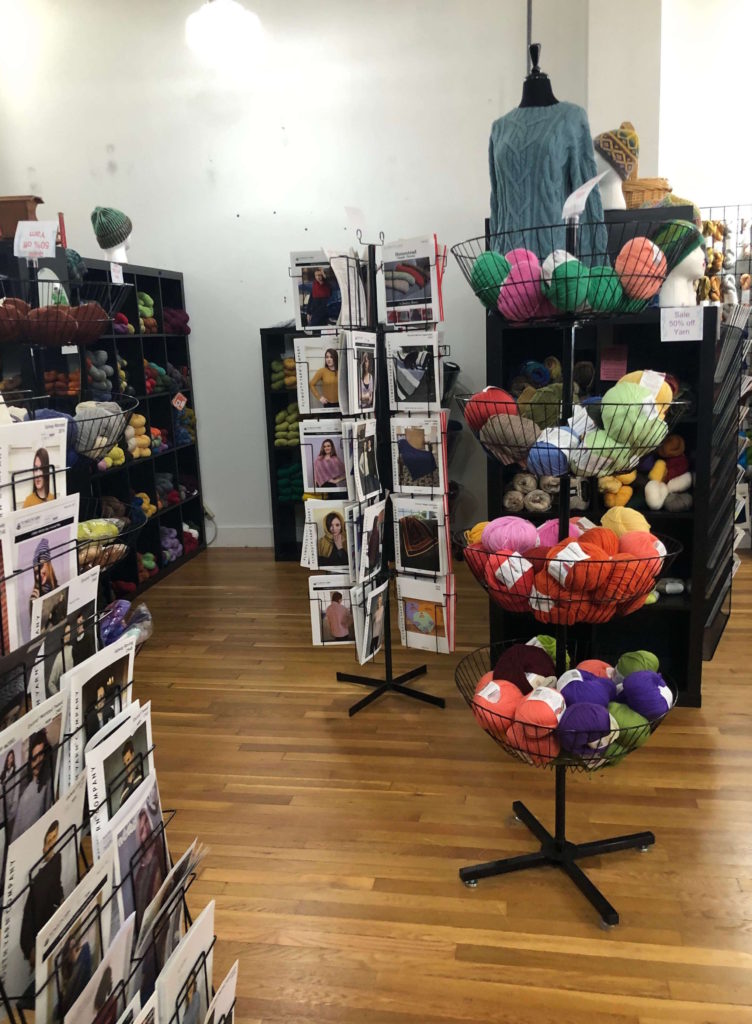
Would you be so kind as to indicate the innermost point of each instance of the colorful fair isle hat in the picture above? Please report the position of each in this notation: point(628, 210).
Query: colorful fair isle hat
point(111, 227)
point(620, 148)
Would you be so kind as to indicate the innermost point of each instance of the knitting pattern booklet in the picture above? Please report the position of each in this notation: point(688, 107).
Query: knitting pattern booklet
point(317, 362)
point(316, 293)
point(347, 269)
point(115, 964)
point(322, 456)
point(331, 610)
point(422, 544)
point(411, 281)
point(365, 463)
point(325, 537)
point(224, 1000)
point(373, 632)
point(372, 543)
point(39, 545)
point(414, 371)
point(84, 919)
point(361, 373)
point(418, 454)
point(187, 975)
point(426, 613)
point(32, 463)
point(41, 871)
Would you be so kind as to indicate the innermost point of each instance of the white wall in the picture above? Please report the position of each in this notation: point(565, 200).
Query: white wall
point(623, 72)
point(386, 106)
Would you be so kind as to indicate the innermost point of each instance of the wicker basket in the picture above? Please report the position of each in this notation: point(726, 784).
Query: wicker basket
point(640, 191)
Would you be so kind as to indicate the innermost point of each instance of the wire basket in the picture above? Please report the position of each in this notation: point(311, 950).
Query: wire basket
point(570, 586)
point(577, 749)
point(94, 428)
point(527, 276)
point(601, 438)
point(104, 538)
point(54, 313)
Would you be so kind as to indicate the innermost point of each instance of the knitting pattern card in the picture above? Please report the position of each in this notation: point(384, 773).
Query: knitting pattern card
point(361, 373)
point(224, 1000)
point(421, 535)
point(330, 551)
point(317, 362)
point(348, 272)
point(322, 456)
point(375, 610)
point(414, 371)
point(418, 457)
point(331, 610)
point(316, 292)
point(411, 282)
point(32, 463)
point(426, 613)
point(102, 996)
point(372, 544)
point(186, 978)
point(365, 464)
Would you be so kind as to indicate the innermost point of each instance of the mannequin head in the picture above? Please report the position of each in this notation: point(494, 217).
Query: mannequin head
point(612, 195)
point(681, 240)
point(113, 229)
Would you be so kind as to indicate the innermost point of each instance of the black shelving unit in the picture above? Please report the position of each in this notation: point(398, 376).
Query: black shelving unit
point(683, 630)
point(135, 475)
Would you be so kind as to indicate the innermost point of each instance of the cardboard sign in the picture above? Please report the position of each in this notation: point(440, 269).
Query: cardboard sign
point(613, 362)
point(35, 239)
point(574, 204)
point(682, 323)
point(179, 401)
point(116, 273)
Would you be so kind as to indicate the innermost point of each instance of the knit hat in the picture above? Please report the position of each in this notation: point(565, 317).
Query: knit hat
point(42, 553)
point(620, 148)
point(677, 239)
point(110, 226)
point(76, 266)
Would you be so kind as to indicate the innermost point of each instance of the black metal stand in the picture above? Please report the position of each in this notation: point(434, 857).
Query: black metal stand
point(558, 851)
point(390, 682)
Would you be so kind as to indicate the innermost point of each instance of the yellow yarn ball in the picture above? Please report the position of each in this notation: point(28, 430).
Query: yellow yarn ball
point(659, 470)
point(473, 535)
point(664, 397)
point(624, 520)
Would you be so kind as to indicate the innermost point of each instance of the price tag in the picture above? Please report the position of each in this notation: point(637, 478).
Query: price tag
point(179, 401)
point(613, 362)
point(35, 239)
point(682, 323)
point(116, 273)
point(574, 204)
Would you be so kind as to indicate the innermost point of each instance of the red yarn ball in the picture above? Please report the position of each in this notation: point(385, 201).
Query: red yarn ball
point(510, 572)
point(537, 556)
point(596, 667)
point(476, 557)
point(495, 703)
point(491, 401)
point(577, 565)
point(602, 537)
point(624, 580)
point(644, 546)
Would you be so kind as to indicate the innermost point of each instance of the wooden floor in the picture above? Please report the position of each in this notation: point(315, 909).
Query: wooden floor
point(335, 842)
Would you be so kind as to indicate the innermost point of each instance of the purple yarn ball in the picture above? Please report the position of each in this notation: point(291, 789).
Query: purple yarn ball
point(578, 686)
point(586, 729)
point(647, 693)
point(646, 463)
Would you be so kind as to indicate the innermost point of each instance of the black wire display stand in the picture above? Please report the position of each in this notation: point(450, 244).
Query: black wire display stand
point(390, 683)
point(555, 848)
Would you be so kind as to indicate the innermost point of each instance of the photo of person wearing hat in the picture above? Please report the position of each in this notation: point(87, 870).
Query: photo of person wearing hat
point(45, 579)
point(332, 547)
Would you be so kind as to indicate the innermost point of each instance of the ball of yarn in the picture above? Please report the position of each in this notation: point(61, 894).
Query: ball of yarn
point(549, 484)
point(537, 556)
point(665, 393)
point(646, 463)
point(646, 693)
point(672, 447)
point(543, 407)
point(513, 501)
point(512, 572)
point(512, 435)
point(578, 685)
point(476, 557)
point(656, 493)
point(550, 454)
point(540, 710)
point(587, 730)
point(630, 416)
point(645, 546)
point(525, 666)
point(624, 520)
point(635, 603)
point(626, 578)
point(521, 257)
point(602, 538)
point(553, 366)
point(597, 455)
point(678, 502)
point(577, 565)
point(548, 644)
point(520, 294)
point(548, 532)
point(490, 401)
point(641, 267)
point(536, 373)
point(634, 729)
point(495, 703)
point(524, 482)
point(509, 602)
point(596, 667)
point(489, 272)
point(635, 661)
point(537, 501)
point(509, 533)
point(564, 281)
point(539, 749)
point(604, 291)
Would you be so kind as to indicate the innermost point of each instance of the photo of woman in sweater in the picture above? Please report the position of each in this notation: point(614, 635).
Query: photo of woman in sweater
point(332, 547)
point(324, 383)
point(365, 396)
point(40, 480)
point(328, 467)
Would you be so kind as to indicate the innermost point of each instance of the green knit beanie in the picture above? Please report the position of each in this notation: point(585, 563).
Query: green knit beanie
point(677, 239)
point(110, 226)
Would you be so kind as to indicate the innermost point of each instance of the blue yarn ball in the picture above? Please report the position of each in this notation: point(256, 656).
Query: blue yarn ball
point(646, 693)
point(579, 686)
point(549, 456)
point(587, 730)
point(538, 374)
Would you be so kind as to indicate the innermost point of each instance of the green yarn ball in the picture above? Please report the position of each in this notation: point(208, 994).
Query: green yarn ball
point(548, 644)
point(597, 455)
point(637, 728)
point(637, 661)
point(487, 276)
point(604, 292)
point(567, 287)
point(544, 407)
point(630, 416)
point(628, 305)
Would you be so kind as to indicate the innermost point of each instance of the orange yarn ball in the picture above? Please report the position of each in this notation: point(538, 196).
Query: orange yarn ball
point(578, 565)
point(596, 667)
point(644, 546)
point(594, 612)
point(495, 703)
point(624, 581)
point(540, 749)
point(537, 556)
point(641, 267)
point(627, 607)
point(602, 537)
point(509, 572)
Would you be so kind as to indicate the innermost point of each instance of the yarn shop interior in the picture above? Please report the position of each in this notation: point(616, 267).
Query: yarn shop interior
point(374, 513)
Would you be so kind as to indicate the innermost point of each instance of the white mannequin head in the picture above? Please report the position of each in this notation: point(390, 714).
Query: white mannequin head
point(679, 287)
point(120, 253)
point(612, 195)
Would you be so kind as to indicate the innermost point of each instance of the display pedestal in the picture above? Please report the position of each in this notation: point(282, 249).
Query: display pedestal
point(557, 850)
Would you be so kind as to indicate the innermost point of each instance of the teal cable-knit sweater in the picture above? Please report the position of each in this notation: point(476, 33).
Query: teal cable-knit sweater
point(537, 157)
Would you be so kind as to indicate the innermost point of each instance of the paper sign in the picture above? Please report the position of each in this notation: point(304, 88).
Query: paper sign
point(681, 323)
point(613, 362)
point(180, 401)
point(69, 350)
point(35, 239)
point(116, 273)
point(574, 204)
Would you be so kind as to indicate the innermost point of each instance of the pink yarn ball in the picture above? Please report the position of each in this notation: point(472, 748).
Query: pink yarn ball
point(516, 256)
point(548, 532)
point(509, 533)
point(520, 295)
